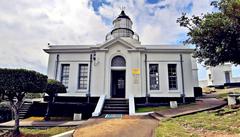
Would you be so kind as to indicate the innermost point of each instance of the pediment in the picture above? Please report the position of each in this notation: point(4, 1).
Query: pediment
point(116, 41)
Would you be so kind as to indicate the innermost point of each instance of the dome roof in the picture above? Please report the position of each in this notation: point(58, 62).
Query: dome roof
point(123, 15)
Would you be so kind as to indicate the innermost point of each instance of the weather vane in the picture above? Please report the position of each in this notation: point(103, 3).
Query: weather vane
point(122, 8)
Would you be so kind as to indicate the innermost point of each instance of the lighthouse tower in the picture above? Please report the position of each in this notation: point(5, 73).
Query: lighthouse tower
point(122, 28)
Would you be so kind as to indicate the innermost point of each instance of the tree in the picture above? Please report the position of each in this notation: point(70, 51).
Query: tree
point(15, 83)
point(53, 87)
point(216, 35)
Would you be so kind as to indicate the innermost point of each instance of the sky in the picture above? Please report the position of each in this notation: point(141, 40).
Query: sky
point(27, 26)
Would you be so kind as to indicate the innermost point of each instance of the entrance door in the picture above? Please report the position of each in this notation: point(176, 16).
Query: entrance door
point(118, 84)
point(227, 77)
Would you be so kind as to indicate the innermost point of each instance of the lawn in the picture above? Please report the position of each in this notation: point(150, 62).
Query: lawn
point(149, 109)
point(43, 132)
point(202, 124)
point(158, 108)
point(221, 93)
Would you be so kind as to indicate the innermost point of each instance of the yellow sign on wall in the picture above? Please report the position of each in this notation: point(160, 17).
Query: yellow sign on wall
point(136, 71)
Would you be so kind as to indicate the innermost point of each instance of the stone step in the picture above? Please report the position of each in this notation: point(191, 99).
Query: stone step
point(117, 105)
point(117, 99)
point(156, 116)
point(116, 102)
point(115, 108)
point(115, 112)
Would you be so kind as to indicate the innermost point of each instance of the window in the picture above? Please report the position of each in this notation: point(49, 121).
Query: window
point(227, 77)
point(172, 76)
point(83, 76)
point(209, 76)
point(118, 61)
point(153, 77)
point(65, 74)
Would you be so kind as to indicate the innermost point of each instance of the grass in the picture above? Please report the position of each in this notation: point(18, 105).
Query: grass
point(220, 93)
point(52, 119)
point(208, 121)
point(149, 109)
point(43, 132)
point(158, 108)
point(172, 129)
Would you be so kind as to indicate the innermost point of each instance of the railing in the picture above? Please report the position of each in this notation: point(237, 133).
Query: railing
point(131, 105)
point(99, 106)
point(109, 36)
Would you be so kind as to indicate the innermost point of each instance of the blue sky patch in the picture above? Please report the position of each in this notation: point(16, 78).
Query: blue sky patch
point(152, 1)
point(98, 3)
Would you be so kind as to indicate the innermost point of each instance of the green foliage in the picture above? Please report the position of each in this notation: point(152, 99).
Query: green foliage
point(54, 87)
point(5, 112)
point(44, 132)
point(33, 95)
point(149, 109)
point(204, 121)
point(215, 35)
point(172, 129)
point(17, 82)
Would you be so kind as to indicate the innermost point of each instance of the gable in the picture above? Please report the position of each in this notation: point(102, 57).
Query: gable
point(117, 41)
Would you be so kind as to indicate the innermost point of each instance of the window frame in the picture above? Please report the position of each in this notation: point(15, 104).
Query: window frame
point(148, 74)
point(176, 77)
point(62, 76)
point(78, 77)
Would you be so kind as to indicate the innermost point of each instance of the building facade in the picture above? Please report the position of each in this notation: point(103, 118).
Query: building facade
point(219, 75)
point(121, 67)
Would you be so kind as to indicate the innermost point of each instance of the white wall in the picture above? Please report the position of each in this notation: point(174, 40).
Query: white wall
point(101, 71)
point(218, 74)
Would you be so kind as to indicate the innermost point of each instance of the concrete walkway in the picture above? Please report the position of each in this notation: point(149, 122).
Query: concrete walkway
point(128, 126)
point(140, 126)
point(24, 123)
point(202, 104)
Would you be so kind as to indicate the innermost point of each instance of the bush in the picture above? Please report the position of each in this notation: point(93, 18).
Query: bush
point(54, 87)
point(33, 95)
point(198, 91)
point(15, 83)
point(5, 112)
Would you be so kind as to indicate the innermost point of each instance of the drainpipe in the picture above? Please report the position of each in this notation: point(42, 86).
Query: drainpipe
point(146, 79)
point(89, 85)
point(57, 62)
point(183, 89)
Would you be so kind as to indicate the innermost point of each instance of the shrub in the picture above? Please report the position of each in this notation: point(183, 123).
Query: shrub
point(15, 83)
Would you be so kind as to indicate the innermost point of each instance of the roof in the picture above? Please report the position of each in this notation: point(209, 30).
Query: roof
point(123, 15)
point(131, 45)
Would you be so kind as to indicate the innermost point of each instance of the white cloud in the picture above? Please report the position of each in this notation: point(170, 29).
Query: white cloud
point(27, 26)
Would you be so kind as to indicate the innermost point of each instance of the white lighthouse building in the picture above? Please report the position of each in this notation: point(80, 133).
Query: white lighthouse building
point(121, 67)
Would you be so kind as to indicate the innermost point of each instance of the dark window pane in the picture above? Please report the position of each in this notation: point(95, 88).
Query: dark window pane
point(172, 76)
point(65, 74)
point(83, 76)
point(118, 61)
point(153, 77)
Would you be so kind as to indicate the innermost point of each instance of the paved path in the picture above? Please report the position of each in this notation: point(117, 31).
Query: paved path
point(201, 105)
point(24, 123)
point(128, 126)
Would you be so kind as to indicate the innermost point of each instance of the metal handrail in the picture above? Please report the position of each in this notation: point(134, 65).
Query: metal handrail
point(110, 36)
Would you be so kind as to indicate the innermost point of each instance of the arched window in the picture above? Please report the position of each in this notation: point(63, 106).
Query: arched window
point(118, 61)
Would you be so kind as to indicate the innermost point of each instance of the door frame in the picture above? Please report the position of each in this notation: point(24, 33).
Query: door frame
point(111, 82)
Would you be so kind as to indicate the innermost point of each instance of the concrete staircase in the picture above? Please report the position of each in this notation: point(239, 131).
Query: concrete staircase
point(24, 109)
point(116, 106)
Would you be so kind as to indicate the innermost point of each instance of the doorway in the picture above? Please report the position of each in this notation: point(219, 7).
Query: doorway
point(227, 77)
point(118, 84)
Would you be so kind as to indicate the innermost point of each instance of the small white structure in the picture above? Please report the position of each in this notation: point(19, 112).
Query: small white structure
point(77, 116)
point(173, 104)
point(219, 75)
point(121, 66)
